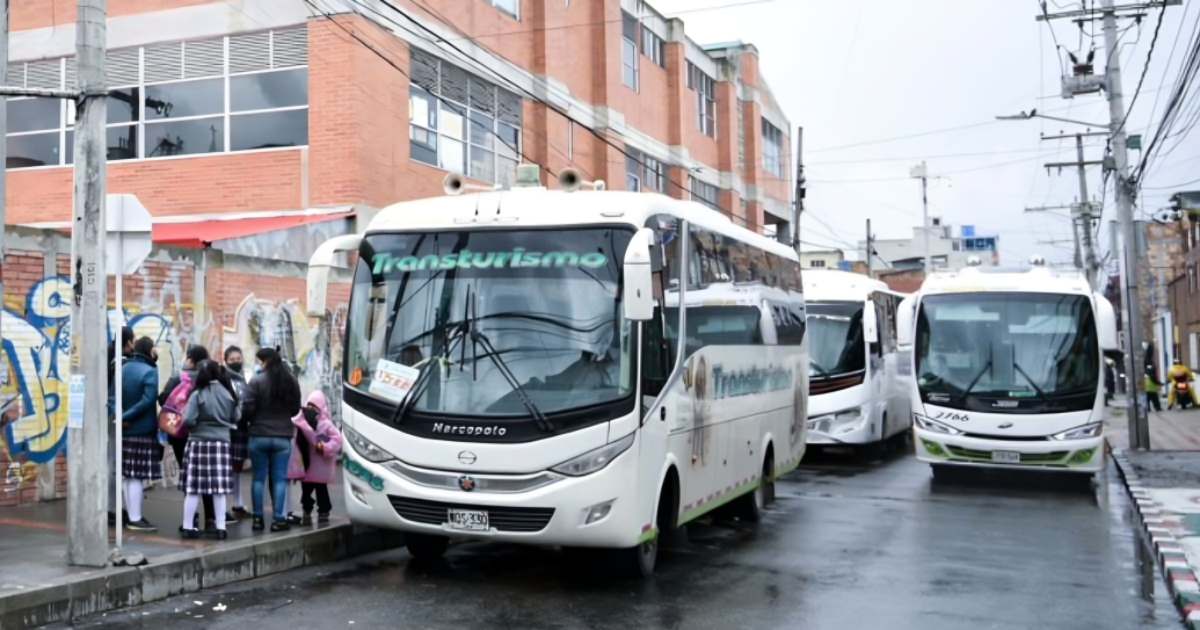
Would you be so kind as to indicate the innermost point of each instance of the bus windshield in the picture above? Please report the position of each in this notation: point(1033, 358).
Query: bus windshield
point(503, 321)
point(1008, 352)
point(835, 343)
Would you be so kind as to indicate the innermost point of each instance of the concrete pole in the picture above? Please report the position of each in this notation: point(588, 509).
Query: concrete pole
point(1085, 217)
point(925, 217)
point(1139, 430)
point(87, 493)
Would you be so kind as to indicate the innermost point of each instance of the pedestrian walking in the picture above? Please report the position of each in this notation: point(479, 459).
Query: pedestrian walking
point(1152, 400)
point(272, 400)
point(186, 379)
point(239, 438)
point(141, 454)
point(314, 456)
point(212, 412)
point(1110, 381)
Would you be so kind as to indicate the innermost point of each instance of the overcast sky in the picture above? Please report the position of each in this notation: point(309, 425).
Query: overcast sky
point(857, 73)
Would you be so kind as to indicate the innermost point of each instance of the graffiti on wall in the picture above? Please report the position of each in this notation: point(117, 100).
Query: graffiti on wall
point(313, 349)
point(37, 352)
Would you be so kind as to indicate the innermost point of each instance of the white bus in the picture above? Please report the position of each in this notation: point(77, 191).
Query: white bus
point(1008, 370)
point(513, 371)
point(856, 393)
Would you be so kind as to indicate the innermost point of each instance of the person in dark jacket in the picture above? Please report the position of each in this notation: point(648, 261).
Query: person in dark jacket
point(126, 350)
point(141, 454)
point(212, 412)
point(194, 356)
point(272, 399)
point(239, 439)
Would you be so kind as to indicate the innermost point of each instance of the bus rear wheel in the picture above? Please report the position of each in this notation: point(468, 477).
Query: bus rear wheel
point(426, 547)
point(750, 505)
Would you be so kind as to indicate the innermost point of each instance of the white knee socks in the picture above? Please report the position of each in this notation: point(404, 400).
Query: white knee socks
point(191, 503)
point(219, 508)
point(133, 499)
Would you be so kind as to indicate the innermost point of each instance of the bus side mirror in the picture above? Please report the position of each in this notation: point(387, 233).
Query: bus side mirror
point(1106, 325)
point(870, 324)
point(319, 265)
point(905, 314)
point(639, 285)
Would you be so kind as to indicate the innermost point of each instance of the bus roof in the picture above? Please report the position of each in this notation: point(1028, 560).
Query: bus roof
point(835, 285)
point(1035, 280)
point(538, 207)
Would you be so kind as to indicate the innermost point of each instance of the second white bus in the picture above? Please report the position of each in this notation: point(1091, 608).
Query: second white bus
point(856, 394)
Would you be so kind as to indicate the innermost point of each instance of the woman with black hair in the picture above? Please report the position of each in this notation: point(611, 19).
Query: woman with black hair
point(196, 354)
point(211, 413)
point(272, 399)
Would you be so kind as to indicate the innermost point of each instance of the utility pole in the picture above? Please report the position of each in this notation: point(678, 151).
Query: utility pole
point(870, 250)
point(3, 143)
point(921, 172)
point(1139, 430)
point(88, 463)
point(800, 188)
point(1081, 212)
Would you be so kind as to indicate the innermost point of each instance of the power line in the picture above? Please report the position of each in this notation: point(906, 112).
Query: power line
point(1145, 69)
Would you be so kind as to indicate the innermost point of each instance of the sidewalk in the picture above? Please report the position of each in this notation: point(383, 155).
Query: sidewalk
point(38, 587)
point(1164, 483)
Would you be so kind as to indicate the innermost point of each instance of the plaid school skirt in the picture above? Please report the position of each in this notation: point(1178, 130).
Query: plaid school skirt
point(206, 468)
point(141, 457)
point(239, 451)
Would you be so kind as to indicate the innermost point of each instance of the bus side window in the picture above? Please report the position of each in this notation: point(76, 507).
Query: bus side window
point(658, 353)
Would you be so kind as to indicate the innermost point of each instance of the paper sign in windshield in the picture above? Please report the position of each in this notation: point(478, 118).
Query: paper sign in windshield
point(393, 380)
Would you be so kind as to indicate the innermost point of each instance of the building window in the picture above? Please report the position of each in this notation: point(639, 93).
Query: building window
point(236, 93)
point(653, 47)
point(706, 99)
point(705, 193)
point(817, 264)
point(511, 7)
point(642, 172)
point(629, 53)
point(462, 123)
point(772, 149)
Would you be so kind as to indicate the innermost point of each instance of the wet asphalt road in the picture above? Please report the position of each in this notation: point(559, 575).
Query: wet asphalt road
point(850, 544)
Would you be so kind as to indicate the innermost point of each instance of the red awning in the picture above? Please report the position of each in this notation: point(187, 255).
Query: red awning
point(200, 234)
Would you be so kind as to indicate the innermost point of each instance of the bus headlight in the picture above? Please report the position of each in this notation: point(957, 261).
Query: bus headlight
point(594, 460)
point(937, 427)
point(1089, 430)
point(364, 447)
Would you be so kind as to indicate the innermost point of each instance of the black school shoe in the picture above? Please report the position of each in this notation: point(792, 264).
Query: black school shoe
point(141, 526)
point(280, 526)
point(292, 519)
point(190, 534)
point(322, 517)
point(258, 525)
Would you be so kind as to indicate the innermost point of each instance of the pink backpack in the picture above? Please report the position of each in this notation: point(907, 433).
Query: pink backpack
point(170, 419)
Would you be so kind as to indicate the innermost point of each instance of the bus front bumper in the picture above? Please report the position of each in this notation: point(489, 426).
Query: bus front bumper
point(1086, 455)
point(596, 510)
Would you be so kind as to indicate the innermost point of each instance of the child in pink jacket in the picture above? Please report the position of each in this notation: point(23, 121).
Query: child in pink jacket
point(315, 455)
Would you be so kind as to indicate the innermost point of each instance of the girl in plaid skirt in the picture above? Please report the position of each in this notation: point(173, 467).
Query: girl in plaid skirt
point(212, 412)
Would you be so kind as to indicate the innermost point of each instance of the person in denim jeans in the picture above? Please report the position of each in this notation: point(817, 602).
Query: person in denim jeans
point(272, 399)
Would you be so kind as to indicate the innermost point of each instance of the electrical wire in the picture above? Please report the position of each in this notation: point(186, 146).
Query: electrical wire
point(1145, 69)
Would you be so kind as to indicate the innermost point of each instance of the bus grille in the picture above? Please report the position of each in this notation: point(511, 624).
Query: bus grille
point(1052, 457)
point(505, 519)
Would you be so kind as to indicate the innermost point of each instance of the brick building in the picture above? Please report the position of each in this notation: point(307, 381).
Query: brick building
point(253, 129)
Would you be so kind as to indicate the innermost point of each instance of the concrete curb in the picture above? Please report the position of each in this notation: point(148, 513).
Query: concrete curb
point(1162, 529)
point(187, 572)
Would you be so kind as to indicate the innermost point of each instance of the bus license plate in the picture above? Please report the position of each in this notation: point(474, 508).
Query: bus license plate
point(469, 520)
point(1006, 457)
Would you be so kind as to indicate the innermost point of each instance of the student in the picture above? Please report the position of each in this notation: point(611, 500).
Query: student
point(315, 456)
point(212, 412)
point(141, 454)
point(272, 399)
point(126, 350)
point(239, 439)
point(195, 355)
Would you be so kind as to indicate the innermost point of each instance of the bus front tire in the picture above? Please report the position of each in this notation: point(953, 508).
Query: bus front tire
point(426, 547)
point(751, 504)
point(641, 560)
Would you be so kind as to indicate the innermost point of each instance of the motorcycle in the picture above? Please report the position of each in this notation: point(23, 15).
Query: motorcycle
point(1183, 392)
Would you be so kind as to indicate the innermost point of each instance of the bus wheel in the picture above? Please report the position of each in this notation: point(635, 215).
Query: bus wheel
point(425, 547)
point(750, 505)
point(641, 560)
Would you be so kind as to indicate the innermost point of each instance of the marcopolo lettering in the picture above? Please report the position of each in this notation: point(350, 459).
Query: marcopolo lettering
point(466, 259)
point(490, 430)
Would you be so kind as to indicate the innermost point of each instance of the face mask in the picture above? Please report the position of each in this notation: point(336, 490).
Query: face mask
point(311, 414)
point(236, 367)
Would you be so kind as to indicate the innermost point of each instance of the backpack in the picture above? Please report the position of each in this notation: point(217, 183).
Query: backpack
point(170, 419)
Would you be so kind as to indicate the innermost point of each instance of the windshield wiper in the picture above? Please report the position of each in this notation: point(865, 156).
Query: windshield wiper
point(1040, 393)
point(490, 351)
point(975, 381)
point(456, 337)
point(824, 373)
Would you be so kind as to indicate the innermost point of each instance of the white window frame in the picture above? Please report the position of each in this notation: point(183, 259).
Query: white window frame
point(772, 154)
point(514, 14)
point(706, 93)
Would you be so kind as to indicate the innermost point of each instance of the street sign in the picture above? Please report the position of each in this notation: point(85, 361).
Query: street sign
point(1134, 142)
point(127, 240)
